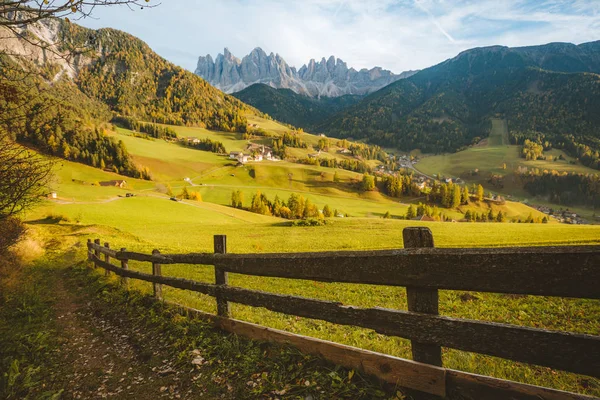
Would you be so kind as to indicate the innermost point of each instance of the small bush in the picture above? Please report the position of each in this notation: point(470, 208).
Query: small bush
point(57, 218)
point(309, 222)
point(11, 230)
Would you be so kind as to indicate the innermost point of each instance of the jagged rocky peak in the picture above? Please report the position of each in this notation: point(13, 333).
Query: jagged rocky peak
point(329, 77)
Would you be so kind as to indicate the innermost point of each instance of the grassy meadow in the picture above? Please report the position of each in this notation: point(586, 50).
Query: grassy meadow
point(150, 220)
point(189, 229)
point(490, 156)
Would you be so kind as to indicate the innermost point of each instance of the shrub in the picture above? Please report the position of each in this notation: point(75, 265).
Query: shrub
point(309, 222)
point(11, 230)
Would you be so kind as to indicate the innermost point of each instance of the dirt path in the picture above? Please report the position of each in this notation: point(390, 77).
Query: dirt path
point(103, 359)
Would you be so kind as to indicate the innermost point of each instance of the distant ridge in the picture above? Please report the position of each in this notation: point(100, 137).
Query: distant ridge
point(330, 78)
point(550, 92)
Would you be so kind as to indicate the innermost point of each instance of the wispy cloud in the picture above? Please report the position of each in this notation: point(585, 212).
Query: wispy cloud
point(435, 21)
point(394, 34)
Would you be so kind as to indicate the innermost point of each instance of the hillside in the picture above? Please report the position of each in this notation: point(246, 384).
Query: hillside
point(448, 106)
point(287, 106)
point(62, 84)
point(122, 72)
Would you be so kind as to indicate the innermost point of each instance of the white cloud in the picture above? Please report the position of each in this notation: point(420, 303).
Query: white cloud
point(394, 34)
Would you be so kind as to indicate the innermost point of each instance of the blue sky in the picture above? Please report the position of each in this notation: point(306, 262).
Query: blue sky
point(394, 34)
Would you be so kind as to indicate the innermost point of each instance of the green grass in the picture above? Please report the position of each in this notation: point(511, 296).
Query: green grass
point(495, 156)
point(58, 304)
point(28, 342)
point(499, 133)
point(551, 313)
point(150, 220)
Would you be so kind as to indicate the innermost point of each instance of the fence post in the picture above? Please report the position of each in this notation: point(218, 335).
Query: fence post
point(124, 265)
point(89, 249)
point(422, 300)
point(96, 251)
point(157, 272)
point(221, 277)
point(107, 259)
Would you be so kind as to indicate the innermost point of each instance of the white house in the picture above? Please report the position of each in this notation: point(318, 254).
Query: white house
point(234, 154)
point(243, 158)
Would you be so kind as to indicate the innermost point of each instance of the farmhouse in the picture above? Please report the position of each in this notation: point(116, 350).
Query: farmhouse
point(261, 152)
point(243, 158)
point(192, 140)
point(234, 154)
point(117, 183)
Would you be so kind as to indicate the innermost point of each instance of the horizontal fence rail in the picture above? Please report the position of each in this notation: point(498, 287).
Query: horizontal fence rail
point(572, 271)
point(567, 271)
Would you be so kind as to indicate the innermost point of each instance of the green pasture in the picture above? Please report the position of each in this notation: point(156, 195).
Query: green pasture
point(490, 157)
point(176, 227)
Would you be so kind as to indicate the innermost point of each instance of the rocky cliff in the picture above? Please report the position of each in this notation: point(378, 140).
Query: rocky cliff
point(330, 78)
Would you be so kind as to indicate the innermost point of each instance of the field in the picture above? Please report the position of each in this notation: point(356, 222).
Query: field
point(490, 156)
point(177, 227)
point(150, 220)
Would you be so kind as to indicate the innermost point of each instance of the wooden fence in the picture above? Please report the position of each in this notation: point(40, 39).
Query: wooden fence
point(572, 271)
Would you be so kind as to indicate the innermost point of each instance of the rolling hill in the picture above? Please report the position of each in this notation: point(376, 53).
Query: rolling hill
point(287, 106)
point(549, 91)
point(61, 85)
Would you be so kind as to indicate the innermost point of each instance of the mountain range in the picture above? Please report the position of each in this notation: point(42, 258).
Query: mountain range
point(329, 78)
point(546, 91)
point(292, 108)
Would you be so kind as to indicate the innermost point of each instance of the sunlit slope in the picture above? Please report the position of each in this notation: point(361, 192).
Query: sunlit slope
point(493, 156)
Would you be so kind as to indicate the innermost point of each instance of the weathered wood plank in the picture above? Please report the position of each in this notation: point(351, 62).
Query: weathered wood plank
point(179, 283)
point(550, 271)
point(422, 300)
point(106, 256)
point(103, 249)
point(96, 246)
point(393, 370)
point(568, 271)
point(124, 265)
point(571, 352)
point(156, 271)
point(221, 276)
point(89, 251)
point(475, 387)
point(191, 258)
point(565, 351)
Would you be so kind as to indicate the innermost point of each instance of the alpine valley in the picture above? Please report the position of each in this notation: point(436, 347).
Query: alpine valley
point(495, 147)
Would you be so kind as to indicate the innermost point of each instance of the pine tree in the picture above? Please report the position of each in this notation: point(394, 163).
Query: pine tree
point(500, 217)
point(327, 211)
point(411, 213)
point(455, 197)
point(185, 194)
point(479, 193)
point(468, 215)
point(464, 199)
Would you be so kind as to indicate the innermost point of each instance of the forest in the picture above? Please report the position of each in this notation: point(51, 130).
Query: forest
point(134, 81)
point(60, 120)
point(563, 187)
